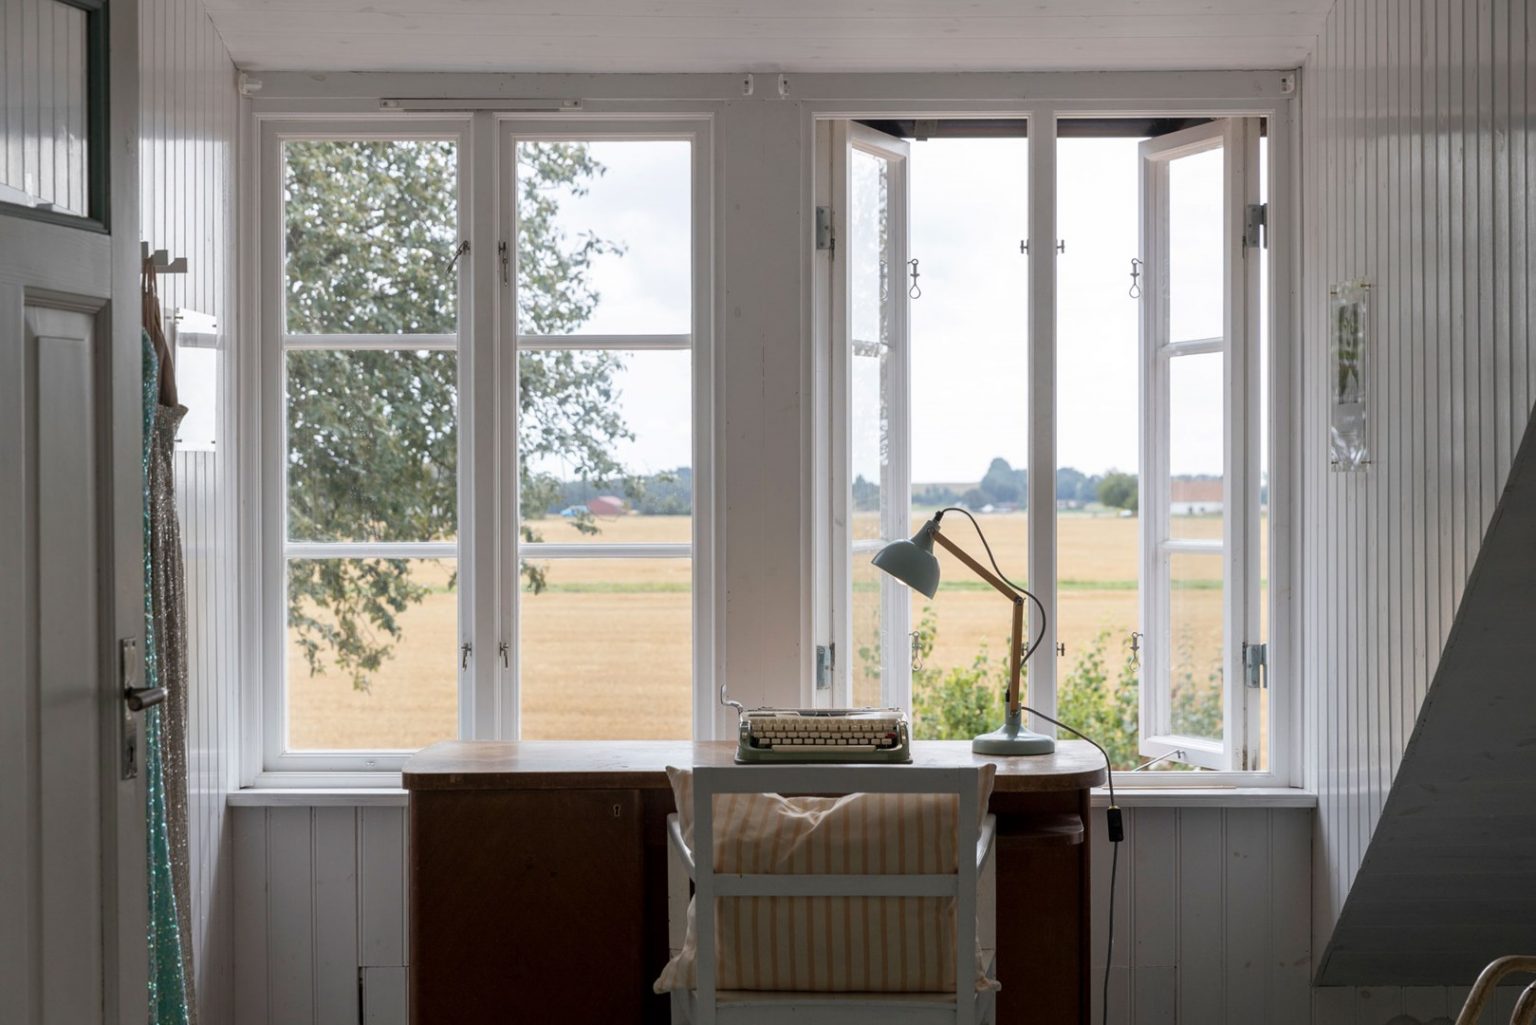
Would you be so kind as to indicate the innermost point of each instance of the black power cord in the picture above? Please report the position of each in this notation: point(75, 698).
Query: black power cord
point(1114, 820)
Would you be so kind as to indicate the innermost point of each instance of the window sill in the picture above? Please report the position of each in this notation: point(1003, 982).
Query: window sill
point(1206, 797)
point(390, 795)
point(387, 795)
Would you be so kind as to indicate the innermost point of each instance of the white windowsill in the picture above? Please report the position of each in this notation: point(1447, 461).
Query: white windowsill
point(392, 796)
point(1206, 797)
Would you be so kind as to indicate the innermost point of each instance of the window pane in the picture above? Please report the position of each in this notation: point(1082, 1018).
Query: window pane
point(1098, 416)
point(44, 132)
point(372, 445)
point(869, 590)
point(372, 650)
point(606, 650)
point(869, 249)
point(369, 231)
point(605, 237)
point(1195, 194)
point(1196, 429)
point(869, 346)
point(1195, 644)
point(869, 429)
point(970, 404)
point(605, 445)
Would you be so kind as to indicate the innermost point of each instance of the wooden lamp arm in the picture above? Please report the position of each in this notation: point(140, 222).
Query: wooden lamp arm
point(1016, 641)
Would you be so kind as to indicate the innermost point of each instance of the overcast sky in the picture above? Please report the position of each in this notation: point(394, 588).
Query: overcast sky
point(969, 328)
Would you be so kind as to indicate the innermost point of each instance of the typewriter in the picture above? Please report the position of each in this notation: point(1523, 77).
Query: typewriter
point(770, 735)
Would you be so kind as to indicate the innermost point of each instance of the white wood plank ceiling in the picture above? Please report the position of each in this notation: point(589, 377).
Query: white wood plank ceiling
point(767, 35)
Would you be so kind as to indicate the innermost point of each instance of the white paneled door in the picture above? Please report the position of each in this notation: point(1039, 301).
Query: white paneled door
point(72, 893)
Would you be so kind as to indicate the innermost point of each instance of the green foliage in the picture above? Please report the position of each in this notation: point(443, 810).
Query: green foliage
point(1118, 490)
point(952, 704)
point(1003, 484)
point(1108, 714)
point(959, 703)
point(370, 229)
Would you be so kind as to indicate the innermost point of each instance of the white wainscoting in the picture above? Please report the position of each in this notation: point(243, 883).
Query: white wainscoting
point(1212, 915)
point(189, 118)
point(320, 906)
point(1417, 157)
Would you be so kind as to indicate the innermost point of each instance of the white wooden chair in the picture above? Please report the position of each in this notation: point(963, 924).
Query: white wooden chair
point(972, 887)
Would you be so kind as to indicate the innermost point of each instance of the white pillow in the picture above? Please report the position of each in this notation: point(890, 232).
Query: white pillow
point(830, 944)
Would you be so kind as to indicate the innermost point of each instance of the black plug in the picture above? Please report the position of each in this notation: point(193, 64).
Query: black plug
point(1116, 824)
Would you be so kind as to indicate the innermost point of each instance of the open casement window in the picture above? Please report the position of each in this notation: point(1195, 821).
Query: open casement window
point(869, 393)
point(1200, 440)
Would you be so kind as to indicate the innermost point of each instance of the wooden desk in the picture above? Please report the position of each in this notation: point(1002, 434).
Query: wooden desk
point(538, 886)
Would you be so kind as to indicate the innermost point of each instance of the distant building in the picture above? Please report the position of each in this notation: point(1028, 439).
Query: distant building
point(1195, 497)
point(606, 505)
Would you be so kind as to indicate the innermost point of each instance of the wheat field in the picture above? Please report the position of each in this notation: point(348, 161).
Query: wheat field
point(605, 651)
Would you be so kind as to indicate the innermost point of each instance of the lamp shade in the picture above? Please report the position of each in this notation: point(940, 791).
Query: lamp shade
point(912, 562)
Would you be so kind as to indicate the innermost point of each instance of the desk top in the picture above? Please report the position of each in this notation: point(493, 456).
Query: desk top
point(642, 764)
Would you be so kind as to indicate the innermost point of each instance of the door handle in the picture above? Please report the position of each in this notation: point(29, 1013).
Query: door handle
point(140, 698)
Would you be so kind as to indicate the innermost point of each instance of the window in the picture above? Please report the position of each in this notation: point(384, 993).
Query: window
point(1158, 441)
point(468, 539)
point(604, 434)
point(53, 114)
point(370, 435)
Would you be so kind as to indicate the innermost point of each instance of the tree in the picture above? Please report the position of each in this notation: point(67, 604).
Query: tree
point(370, 228)
point(1118, 490)
point(1002, 483)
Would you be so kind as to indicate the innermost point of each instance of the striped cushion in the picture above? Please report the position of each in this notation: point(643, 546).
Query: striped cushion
point(829, 944)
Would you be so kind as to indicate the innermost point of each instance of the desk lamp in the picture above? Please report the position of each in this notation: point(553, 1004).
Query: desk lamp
point(914, 564)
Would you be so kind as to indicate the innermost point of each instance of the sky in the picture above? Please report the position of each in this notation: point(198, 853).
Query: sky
point(969, 328)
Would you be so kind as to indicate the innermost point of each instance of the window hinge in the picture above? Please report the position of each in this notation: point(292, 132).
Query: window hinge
point(826, 660)
point(1256, 226)
point(824, 239)
point(1256, 664)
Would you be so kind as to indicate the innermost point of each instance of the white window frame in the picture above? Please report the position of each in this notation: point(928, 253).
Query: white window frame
point(1238, 550)
point(699, 340)
point(1195, 94)
point(487, 548)
point(895, 615)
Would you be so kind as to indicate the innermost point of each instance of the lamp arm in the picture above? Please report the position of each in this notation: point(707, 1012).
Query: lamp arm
point(1016, 638)
point(1008, 588)
point(974, 566)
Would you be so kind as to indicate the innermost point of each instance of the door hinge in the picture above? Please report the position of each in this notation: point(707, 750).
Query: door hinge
point(826, 662)
point(1256, 664)
point(824, 238)
point(1256, 226)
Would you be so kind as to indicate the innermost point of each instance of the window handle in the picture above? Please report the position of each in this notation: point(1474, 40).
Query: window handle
point(504, 651)
point(465, 650)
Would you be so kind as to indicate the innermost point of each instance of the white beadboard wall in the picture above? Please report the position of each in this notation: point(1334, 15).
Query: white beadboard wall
point(189, 114)
point(320, 907)
point(1416, 167)
point(1212, 916)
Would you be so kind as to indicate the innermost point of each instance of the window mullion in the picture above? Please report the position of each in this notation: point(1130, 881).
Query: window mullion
point(1041, 682)
point(478, 613)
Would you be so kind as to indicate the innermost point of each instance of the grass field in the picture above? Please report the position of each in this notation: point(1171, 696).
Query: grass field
point(606, 649)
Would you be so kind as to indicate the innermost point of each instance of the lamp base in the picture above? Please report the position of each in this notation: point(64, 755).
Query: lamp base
point(1013, 739)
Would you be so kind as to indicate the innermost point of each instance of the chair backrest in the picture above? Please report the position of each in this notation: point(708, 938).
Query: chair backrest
point(836, 780)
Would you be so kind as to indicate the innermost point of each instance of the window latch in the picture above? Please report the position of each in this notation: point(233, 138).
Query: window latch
point(465, 650)
point(1256, 665)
